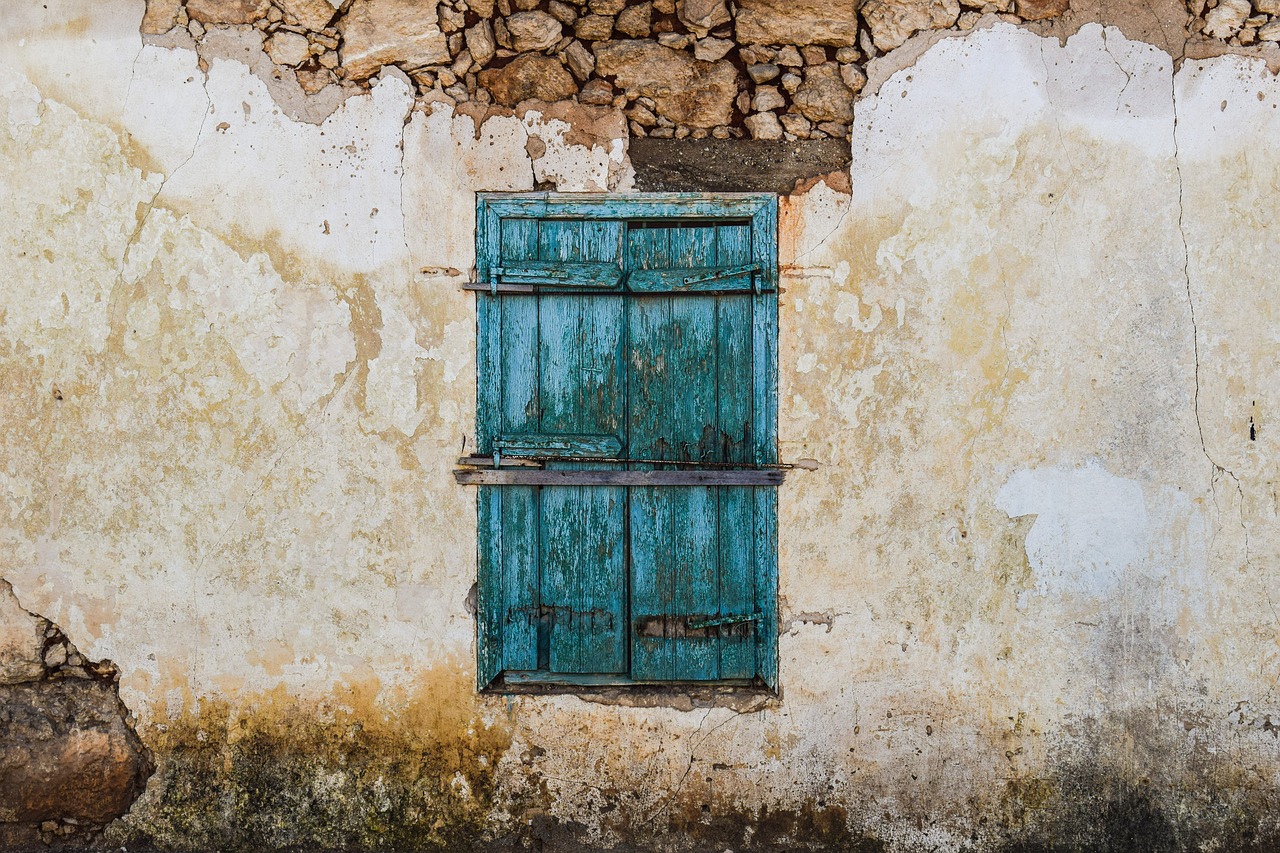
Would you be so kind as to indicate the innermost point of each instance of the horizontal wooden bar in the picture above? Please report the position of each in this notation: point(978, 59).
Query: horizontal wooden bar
point(529, 477)
point(692, 280)
point(481, 287)
point(487, 461)
point(720, 287)
point(537, 677)
point(612, 206)
point(567, 274)
point(562, 446)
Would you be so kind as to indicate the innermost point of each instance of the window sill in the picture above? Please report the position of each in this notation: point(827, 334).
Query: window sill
point(739, 695)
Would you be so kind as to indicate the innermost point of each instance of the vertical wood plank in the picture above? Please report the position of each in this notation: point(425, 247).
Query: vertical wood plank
point(693, 246)
point(490, 595)
point(560, 348)
point(694, 582)
point(651, 559)
point(736, 593)
point(517, 373)
point(518, 535)
point(584, 578)
point(518, 370)
point(766, 583)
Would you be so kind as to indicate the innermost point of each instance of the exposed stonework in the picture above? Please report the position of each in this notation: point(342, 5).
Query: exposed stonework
point(892, 22)
point(797, 22)
point(1237, 22)
point(675, 68)
point(461, 50)
point(70, 761)
point(390, 32)
point(687, 91)
point(531, 76)
point(228, 11)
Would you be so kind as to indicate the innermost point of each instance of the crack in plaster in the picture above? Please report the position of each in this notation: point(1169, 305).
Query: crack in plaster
point(164, 179)
point(1128, 75)
point(835, 229)
point(1217, 468)
point(674, 792)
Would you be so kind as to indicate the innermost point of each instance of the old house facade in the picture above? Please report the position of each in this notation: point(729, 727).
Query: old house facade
point(677, 424)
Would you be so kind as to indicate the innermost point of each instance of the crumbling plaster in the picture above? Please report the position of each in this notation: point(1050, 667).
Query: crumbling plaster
point(1030, 572)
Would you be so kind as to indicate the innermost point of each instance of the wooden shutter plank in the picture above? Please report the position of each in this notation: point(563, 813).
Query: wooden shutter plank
point(691, 437)
point(694, 431)
point(693, 246)
point(584, 578)
point(695, 545)
point(652, 658)
point(648, 389)
point(559, 363)
point(736, 510)
point(559, 445)
point(736, 583)
point(765, 563)
point(519, 536)
point(602, 241)
point(519, 365)
point(490, 593)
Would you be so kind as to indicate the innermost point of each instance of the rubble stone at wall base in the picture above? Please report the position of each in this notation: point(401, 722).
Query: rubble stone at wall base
point(67, 754)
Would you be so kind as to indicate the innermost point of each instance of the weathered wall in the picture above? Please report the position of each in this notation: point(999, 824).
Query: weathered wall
point(1026, 598)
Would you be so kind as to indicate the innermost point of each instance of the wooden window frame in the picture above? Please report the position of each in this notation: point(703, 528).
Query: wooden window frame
point(760, 210)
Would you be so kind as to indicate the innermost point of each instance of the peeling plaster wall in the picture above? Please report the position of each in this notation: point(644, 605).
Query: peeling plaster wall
point(1025, 596)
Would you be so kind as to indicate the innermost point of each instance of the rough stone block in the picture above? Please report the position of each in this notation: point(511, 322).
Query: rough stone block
point(892, 22)
point(227, 11)
point(532, 76)
point(687, 91)
point(829, 22)
point(391, 32)
point(67, 752)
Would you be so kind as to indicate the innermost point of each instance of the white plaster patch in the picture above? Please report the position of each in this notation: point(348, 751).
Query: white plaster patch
point(66, 231)
point(79, 52)
point(445, 164)
point(166, 105)
point(1090, 526)
point(391, 390)
point(573, 168)
point(329, 192)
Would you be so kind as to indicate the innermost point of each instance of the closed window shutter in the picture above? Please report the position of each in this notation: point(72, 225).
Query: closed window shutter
point(561, 390)
point(627, 344)
point(691, 401)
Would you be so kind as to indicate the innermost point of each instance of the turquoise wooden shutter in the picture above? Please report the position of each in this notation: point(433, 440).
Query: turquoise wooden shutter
point(561, 551)
point(623, 342)
point(691, 401)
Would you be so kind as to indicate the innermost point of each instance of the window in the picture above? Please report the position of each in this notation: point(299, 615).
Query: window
point(626, 442)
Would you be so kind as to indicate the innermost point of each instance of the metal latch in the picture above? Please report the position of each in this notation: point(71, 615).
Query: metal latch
point(725, 620)
point(727, 272)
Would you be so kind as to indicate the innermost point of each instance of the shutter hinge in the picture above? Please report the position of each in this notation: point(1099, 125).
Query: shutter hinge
point(725, 620)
